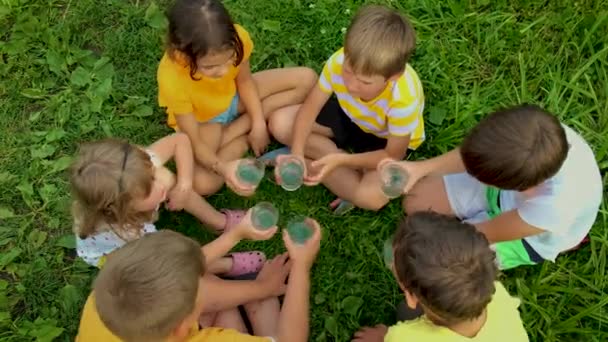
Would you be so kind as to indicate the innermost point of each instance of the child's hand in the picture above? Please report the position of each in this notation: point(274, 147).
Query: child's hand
point(177, 197)
point(246, 230)
point(229, 171)
point(323, 167)
point(414, 173)
point(368, 334)
point(258, 138)
point(274, 273)
point(304, 254)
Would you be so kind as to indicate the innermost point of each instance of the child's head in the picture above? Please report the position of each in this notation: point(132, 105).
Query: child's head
point(113, 182)
point(203, 32)
point(377, 47)
point(444, 265)
point(516, 148)
point(150, 289)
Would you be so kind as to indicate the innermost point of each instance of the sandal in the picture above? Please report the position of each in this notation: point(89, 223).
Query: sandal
point(246, 263)
point(341, 207)
point(233, 217)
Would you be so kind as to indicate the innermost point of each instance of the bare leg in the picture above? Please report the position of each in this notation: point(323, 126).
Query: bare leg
point(264, 316)
point(204, 212)
point(221, 266)
point(428, 194)
point(230, 319)
point(206, 182)
point(277, 88)
point(280, 125)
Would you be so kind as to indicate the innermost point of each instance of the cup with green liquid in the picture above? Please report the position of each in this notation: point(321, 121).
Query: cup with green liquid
point(291, 172)
point(394, 178)
point(250, 171)
point(264, 215)
point(388, 254)
point(300, 229)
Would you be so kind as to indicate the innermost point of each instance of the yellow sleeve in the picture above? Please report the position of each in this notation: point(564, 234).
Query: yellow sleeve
point(332, 68)
point(171, 94)
point(246, 40)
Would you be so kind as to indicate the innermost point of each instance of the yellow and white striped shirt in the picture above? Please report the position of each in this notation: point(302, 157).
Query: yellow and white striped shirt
point(397, 111)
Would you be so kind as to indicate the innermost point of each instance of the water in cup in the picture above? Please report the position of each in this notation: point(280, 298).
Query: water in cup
point(299, 230)
point(250, 171)
point(291, 172)
point(394, 178)
point(264, 216)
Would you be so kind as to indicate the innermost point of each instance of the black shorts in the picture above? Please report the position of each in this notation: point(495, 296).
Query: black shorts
point(346, 134)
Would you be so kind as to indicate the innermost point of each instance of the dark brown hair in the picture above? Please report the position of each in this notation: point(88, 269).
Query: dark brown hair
point(515, 148)
point(198, 27)
point(105, 178)
point(379, 41)
point(448, 265)
point(149, 286)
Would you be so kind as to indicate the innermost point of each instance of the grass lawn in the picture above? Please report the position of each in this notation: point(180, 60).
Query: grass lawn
point(72, 71)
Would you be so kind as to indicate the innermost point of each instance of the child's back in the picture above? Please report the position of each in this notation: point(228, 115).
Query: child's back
point(447, 268)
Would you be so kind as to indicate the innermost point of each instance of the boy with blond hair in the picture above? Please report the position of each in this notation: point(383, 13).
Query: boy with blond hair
point(153, 289)
point(446, 267)
point(376, 112)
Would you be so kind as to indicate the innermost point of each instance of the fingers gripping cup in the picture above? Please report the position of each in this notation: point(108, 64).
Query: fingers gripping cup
point(300, 230)
point(394, 178)
point(264, 216)
point(291, 172)
point(250, 171)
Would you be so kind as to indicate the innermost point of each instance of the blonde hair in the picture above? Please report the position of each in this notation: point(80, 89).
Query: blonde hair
point(105, 178)
point(379, 41)
point(149, 286)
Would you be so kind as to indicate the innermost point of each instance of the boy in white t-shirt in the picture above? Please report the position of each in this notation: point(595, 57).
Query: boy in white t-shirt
point(528, 182)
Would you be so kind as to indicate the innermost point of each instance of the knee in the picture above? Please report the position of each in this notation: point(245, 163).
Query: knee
point(413, 203)
point(307, 78)
point(368, 202)
point(206, 183)
point(280, 126)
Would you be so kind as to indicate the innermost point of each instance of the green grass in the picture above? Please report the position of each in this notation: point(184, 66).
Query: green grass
point(72, 71)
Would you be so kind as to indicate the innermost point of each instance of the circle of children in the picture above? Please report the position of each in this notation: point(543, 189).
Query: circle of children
point(521, 189)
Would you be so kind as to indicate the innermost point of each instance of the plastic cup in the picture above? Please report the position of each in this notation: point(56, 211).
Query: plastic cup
point(388, 253)
point(299, 230)
point(394, 178)
point(250, 171)
point(291, 172)
point(264, 216)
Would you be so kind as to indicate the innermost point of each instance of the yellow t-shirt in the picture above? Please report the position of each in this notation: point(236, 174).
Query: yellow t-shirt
point(92, 329)
point(205, 97)
point(397, 111)
point(503, 324)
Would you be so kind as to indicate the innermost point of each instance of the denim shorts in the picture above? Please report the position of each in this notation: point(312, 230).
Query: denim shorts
point(230, 114)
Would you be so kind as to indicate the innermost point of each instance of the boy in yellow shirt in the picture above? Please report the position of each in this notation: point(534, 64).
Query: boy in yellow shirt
point(447, 268)
point(152, 289)
point(376, 112)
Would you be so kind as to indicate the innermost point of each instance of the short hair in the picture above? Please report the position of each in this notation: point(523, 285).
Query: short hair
point(515, 148)
point(379, 41)
point(447, 264)
point(149, 286)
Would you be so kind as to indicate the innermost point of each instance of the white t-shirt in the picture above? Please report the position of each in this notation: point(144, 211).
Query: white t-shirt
point(565, 205)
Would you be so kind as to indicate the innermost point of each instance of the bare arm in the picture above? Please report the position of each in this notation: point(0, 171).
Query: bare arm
point(294, 321)
point(396, 148)
point(227, 294)
point(450, 162)
point(306, 118)
point(219, 247)
point(506, 227)
point(178, 147)
point(204, 155)
point(248, 92)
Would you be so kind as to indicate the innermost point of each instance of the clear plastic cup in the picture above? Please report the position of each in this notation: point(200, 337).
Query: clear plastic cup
point(299, 230)
point(394, 178)
point(250, 171)
point(291, 171)
point(264, 215)
point(388, 253)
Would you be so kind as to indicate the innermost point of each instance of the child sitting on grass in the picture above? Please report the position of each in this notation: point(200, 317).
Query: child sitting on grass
point(377, 112)
point(530, 184)
point(206, 84)
point(447, 268)
point(153, 289)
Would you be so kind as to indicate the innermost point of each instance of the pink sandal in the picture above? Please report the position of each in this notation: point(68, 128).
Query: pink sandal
point(246, 263)
point(233, 217)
